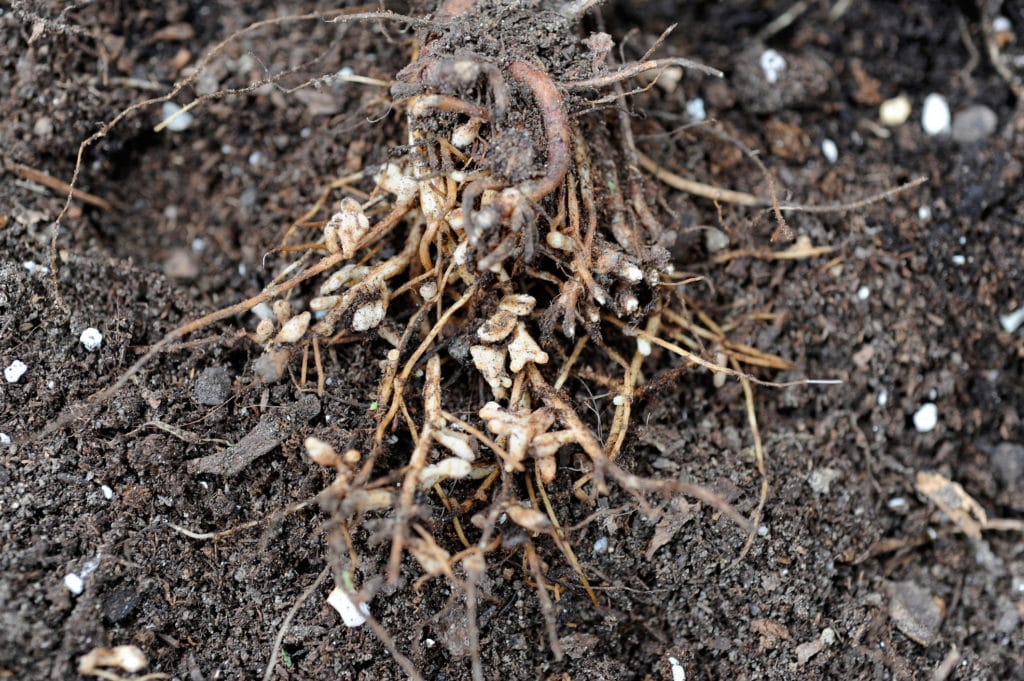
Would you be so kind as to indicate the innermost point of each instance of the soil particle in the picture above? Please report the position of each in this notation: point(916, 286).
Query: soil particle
point(119, 604)
point(974, 124)
point(915, 611)
point(213, 386)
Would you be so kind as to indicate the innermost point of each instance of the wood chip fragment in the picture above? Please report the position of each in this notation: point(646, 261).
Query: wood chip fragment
point(275, 427)
point(952, 500)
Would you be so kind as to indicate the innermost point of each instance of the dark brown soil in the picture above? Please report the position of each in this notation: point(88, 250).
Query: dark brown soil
point(907, 313)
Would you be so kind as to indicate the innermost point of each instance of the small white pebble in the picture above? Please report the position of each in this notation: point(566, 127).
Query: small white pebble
point(643, 346)
point(898, 504)
point(763, 531)
point(429, 643)
point(601, 545)
point(829, 150)
point(255, 158)
point(895, 112)
point(883, 398)
point(678, 673)
point(772, 64)
point(936, 118)
point(91, 339)
point(958, 259)
point(305, 133)
point(1001, 25)
point(863, 293)
point(924, 213)
point(198, 245)
point(227, 149)
point(695, 109)
point(346, 72)
point(181, 121)
point(351, 614)
point(242, 269)
point(107, 492)
point(926, 418)
point(74, 583)
point(828, 636)
point(5, 439)
point(1012, 321)
point(15, 370)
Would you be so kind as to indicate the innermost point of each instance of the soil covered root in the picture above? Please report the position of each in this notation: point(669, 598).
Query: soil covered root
point(513, 219)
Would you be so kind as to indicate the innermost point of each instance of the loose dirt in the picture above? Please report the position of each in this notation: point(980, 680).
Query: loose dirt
point(852, 574)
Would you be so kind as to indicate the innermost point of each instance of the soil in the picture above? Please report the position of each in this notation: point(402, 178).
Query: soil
point(852, 573)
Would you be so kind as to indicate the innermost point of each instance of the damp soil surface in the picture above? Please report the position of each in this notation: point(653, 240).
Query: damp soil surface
point(851, 574)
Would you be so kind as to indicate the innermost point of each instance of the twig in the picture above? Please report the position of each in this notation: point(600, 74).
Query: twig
point(42, 178)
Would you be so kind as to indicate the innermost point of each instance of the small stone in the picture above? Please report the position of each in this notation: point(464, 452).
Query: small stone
point(821, 479)
point(695, 109)
point(74, 583)
point(895, 112)
point(1007, 461)
point(926, 418)
point(601, 545)
point(898, 505)
point(5, 439)
point(863, 293)
point(935, 117)
point(1012, 321)
point(182, 120)
point(15, 370)
point(678, 671)
point(915, 611)
point(806, 651)
point(107, 492)
point(91, 339)
point(829, 150)
point(715, 239)
point(43, 127)
point(958, 259)
point(213, 386)
point(974, 124)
